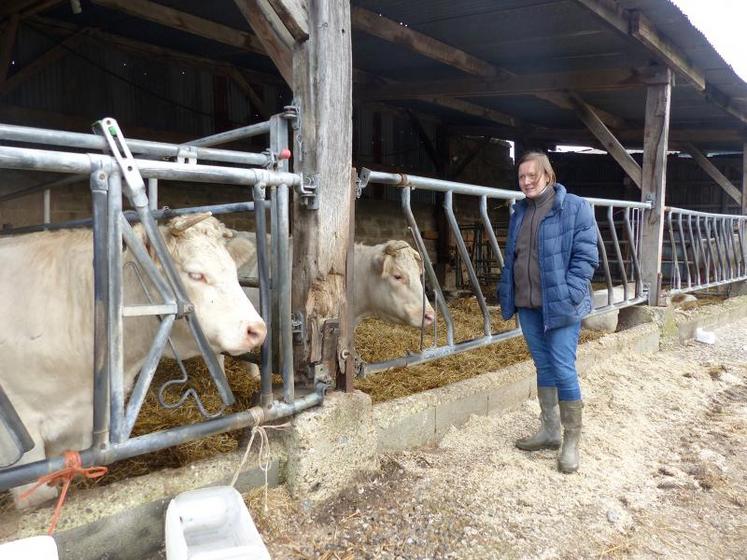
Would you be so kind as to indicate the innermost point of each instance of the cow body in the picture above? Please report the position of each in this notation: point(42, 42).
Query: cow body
point(46, 336)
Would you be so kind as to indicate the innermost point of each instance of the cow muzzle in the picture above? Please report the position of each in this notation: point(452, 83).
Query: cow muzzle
point(255, 334)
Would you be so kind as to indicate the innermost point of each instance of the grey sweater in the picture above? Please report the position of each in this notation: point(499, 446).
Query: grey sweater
point(527, 286)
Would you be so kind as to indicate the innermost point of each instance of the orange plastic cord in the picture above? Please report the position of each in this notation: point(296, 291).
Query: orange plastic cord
point(73, 467)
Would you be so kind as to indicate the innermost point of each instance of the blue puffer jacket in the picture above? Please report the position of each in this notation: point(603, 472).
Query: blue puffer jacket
point(567, 252)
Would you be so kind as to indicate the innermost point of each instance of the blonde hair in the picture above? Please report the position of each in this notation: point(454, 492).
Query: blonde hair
point(543, 163)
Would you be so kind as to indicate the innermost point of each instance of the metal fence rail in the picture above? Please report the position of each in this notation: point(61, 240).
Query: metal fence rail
point(629, 292)
point(118, 174)
point(706, 249)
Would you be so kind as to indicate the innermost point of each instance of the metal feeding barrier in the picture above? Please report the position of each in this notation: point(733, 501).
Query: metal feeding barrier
point(116, 172)
point(706, 250)
point(623, 289)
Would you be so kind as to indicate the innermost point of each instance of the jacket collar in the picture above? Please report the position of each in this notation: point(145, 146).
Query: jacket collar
point(560, 192)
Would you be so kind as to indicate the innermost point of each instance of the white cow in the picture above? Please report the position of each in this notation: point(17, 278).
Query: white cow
point(46, 333)
point(387, 283)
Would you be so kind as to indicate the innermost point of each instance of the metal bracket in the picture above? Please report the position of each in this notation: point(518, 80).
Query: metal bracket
point(362, 181)
point(307, 192)
point(298, 329)
point(319, 373)
point(293, 113)
point(186, 154)
point(272, 159)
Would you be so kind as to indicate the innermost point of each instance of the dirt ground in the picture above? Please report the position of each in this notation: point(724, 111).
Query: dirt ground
point(663, 475)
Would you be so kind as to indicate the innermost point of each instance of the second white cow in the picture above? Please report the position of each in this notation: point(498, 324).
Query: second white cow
point(387, 280)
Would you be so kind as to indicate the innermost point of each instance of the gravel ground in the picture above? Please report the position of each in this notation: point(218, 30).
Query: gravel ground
point(663, 475)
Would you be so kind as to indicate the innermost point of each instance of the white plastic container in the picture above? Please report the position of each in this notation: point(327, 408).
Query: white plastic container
point(704, 336)
point(212, 524)
point(42, 547)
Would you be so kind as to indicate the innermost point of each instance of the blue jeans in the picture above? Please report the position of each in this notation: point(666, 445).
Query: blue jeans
point(553, 352)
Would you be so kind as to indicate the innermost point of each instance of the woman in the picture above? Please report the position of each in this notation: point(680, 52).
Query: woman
point(551, 254)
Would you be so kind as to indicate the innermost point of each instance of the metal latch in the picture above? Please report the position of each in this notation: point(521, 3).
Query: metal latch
point(308, 192)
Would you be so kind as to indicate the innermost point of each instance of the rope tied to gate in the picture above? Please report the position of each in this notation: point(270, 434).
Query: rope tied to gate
point(263, 455)
point(73, 467)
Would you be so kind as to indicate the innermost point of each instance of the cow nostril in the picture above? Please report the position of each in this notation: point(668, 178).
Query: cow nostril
point(428, 318)
point(256, 333)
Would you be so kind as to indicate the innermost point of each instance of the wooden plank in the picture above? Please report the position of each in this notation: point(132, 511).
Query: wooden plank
point(392, 31)
point(275, 38)
point(7, 45)
point(634, 24)
point(473, 109)
point(713, 172)
point(646, 33)
point(9, 7)
point(294, 15)
point(611, 144)
point(248, 89)
point(33, 68)
point(322, 84)
point(183, 21)
point(525, 84)
point(654, 175)
point(561, 100)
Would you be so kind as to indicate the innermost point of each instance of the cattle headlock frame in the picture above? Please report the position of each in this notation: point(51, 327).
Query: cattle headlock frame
point(112, 175)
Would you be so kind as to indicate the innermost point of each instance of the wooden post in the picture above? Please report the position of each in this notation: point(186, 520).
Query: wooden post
point(322, 83)
point(654, 179)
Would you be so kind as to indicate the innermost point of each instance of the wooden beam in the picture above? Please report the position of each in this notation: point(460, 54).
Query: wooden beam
point(526, 84)
point(322, 82)
point(10, 7)
point(275, 38)
point(430, 149)
point(7, 45)
point(713, 172)
point(561, 100)
point(634, 24)
point(655, 145)
point(390, 30)
point(362, 77)
point(47, 58)
point(473, 109)
point(611, 144)
point(183, 21)
point(648, 36)
point(238, 77)
point(295, 16)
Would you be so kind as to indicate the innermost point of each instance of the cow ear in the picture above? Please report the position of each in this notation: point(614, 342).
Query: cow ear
point(241, 250)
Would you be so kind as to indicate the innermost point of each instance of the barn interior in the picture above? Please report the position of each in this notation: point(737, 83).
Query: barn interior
point(449, 90)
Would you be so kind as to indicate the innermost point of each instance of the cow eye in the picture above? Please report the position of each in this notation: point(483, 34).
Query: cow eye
point(197, 276)
point(397, 276)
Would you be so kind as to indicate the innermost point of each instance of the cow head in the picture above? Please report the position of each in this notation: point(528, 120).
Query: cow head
point(207, 255)
point(397, 289)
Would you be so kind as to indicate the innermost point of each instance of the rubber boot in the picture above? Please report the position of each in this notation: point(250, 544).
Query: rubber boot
point(548, 436)
point(570, 417)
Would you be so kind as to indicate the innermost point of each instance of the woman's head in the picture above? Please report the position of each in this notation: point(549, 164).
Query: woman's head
point(535, 173)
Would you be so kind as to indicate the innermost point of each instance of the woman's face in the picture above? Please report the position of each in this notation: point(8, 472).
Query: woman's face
point(532, 181)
